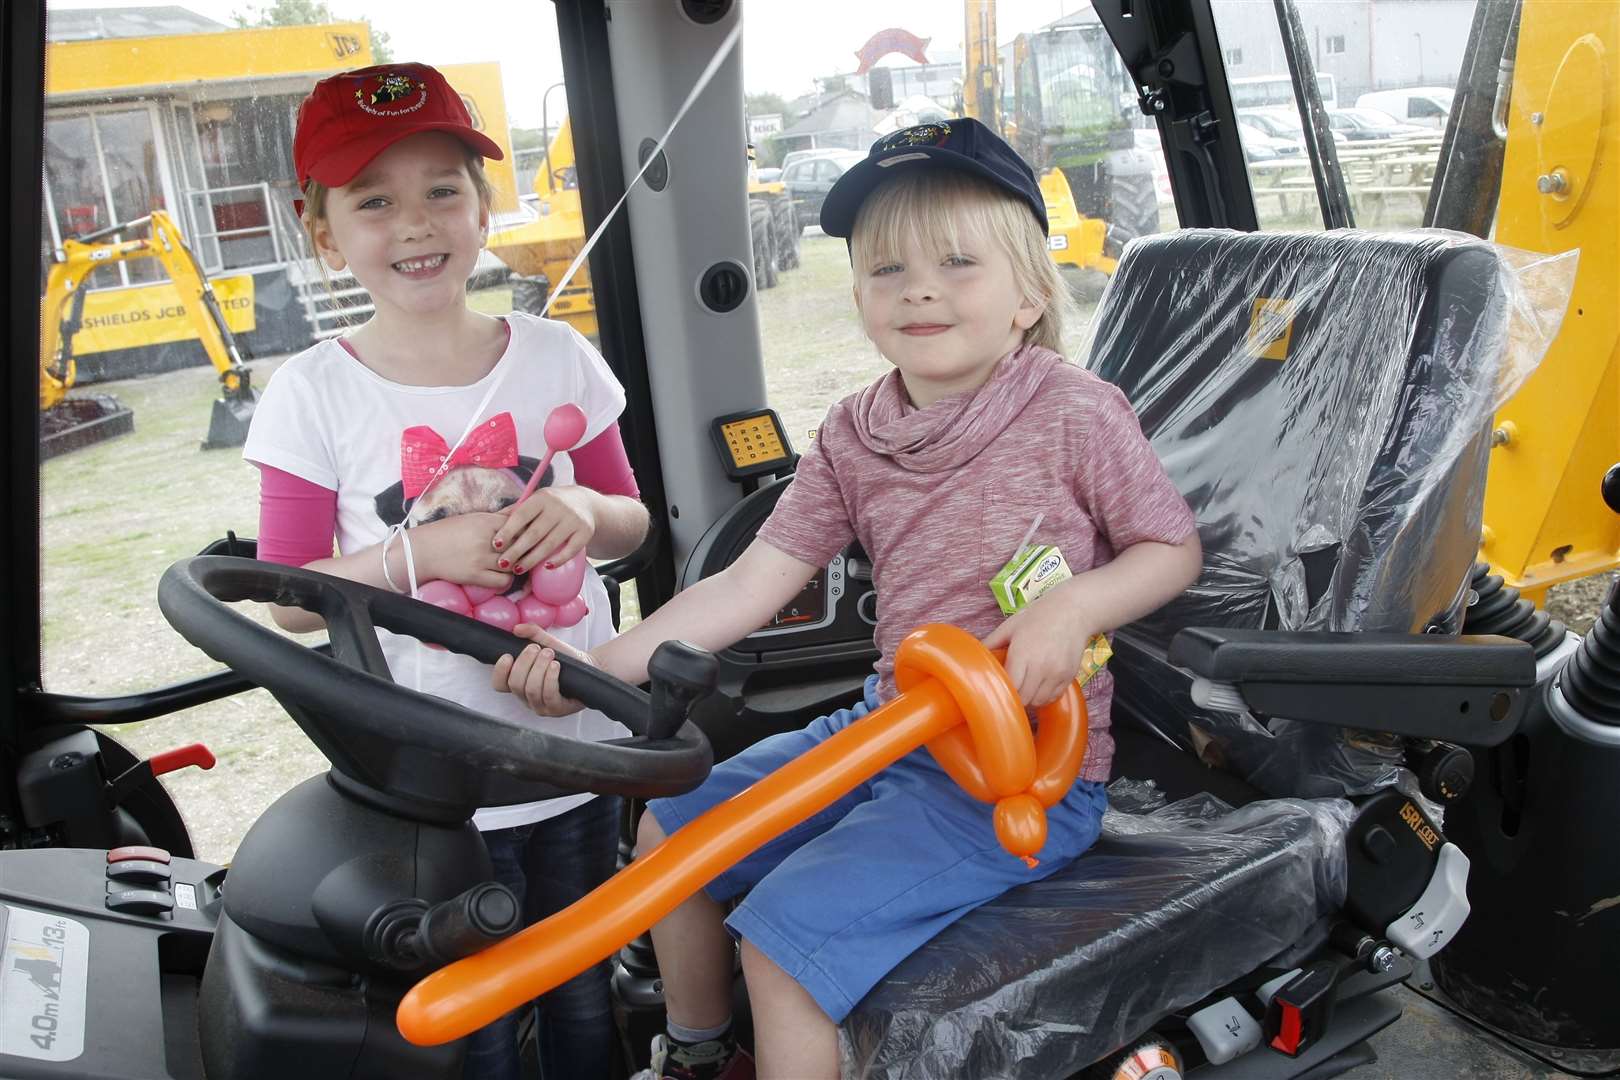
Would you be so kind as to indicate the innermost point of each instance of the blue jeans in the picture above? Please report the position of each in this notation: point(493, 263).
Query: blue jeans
point(548, 865)
point(841, 898)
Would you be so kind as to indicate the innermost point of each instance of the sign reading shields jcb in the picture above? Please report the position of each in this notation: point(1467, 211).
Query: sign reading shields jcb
point(155, 315)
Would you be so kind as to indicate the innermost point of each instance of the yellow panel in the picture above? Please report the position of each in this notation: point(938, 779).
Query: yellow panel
point(154, 314)
point(480, 88)
point(1545, 520)
point(753, 441)
point(121, 63)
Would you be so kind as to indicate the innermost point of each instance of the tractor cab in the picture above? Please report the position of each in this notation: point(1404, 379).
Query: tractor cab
point(1364, 766)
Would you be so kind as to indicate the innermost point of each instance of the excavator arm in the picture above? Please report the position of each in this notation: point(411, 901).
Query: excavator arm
point(61, 314)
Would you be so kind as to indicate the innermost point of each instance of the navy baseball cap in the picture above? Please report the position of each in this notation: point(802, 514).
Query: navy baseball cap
point(962, 143)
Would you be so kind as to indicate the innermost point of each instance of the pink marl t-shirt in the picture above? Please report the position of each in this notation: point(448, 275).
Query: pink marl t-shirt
point(940, 498)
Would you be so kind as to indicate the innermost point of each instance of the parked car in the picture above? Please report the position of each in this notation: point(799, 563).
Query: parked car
point(801, 155)
point(1281, 122)
point(1260, 145)
point(1370, 125)
point(1425, 106)
point(809, 179)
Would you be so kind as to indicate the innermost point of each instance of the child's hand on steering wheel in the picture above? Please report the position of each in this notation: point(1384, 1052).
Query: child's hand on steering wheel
point(533, 673)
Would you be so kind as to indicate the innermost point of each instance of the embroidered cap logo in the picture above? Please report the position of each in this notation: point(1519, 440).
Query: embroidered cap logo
point(920, 135)
point(388, 94)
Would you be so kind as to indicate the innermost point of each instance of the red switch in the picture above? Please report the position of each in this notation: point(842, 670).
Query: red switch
point(135, 851)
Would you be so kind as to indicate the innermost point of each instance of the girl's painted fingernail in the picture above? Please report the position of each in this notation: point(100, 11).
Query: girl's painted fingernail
point(503, 563)
point(551, 566)
point(499, 543)
point(517, 570)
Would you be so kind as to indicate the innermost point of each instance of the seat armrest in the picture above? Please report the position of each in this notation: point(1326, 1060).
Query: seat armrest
point(1468, 690)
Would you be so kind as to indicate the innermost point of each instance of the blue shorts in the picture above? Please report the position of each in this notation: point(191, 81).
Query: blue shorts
point(841, 898)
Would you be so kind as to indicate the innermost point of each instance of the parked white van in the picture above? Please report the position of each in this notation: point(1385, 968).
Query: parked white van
point(1427, 106)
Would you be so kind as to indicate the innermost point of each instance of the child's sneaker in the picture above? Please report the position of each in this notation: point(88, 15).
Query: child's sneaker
point(712, 1060)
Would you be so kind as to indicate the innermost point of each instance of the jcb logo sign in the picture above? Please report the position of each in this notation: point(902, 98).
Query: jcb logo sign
point(343, 44)
point(1419, 825)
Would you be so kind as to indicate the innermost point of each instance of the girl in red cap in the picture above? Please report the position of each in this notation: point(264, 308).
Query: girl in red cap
point(430, 418)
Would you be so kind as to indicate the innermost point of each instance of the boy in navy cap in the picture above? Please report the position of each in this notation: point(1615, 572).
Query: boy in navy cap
point(981, 440)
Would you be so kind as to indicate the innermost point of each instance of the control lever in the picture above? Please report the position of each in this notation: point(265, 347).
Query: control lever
point(1372, 953)
point(680, 674)
point(142, 773)
point(409, 934)
point(1445, 771)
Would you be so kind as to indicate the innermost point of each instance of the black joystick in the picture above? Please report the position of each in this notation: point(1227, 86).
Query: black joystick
point(1611, 488)
point(680, 674)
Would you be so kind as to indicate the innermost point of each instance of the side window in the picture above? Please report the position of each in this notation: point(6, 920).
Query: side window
point(1361, 63)
point(826, 172)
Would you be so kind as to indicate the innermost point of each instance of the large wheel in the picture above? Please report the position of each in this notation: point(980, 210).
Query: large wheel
point(1133, 203)
point(785, 224)
point(764, 244)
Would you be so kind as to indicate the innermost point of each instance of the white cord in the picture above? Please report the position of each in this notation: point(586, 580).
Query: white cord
point(388, 538)
point(562, 283)
point(703, 81)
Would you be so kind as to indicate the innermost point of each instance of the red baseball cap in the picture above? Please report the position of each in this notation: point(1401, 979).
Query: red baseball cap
point(349, 119)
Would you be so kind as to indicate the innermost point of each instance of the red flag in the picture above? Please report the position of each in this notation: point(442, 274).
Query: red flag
point(893, 40)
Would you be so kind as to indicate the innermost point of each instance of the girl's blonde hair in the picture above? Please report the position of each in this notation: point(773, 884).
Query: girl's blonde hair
point(315, 194)
point(927, 207)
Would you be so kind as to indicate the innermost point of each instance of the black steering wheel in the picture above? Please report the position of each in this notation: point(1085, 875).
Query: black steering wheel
point(423, 753)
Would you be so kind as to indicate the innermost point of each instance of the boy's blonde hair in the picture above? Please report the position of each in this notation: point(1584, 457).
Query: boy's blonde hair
point(928, 206)
point(315, 194)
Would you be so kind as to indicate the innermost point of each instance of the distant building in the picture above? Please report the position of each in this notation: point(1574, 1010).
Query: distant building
point(843, 119)
point(1363, 44)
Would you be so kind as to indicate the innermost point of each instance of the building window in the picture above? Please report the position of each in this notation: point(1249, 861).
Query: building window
point(1234, 57)
point(1334, 46)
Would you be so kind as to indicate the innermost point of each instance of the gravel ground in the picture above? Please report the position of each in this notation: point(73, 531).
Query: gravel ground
point(1577, 603)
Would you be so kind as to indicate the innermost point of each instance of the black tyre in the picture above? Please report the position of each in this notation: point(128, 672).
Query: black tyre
point(529, 293)
point(785, 224)
point(1136, 212)
point(1132, 208)
point(764, 244)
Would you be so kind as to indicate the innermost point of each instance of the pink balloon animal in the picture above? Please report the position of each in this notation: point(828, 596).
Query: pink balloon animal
point(551, 595)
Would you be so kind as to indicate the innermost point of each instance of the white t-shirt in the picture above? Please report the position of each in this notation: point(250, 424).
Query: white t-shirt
point(329, 419)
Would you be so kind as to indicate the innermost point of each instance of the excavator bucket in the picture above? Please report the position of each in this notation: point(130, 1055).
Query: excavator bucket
point(233, 409)
point(228, 425)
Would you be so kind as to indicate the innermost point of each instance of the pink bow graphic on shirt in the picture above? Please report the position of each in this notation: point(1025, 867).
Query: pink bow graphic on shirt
point(424, 455)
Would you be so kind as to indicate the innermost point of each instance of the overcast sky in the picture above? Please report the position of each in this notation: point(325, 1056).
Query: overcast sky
point(786, 43)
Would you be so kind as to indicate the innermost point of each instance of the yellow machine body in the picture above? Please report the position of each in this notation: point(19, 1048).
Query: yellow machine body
point(1545, 521)
point(1074, 240)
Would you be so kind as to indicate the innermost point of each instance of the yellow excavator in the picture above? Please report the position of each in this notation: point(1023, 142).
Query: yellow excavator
point(71, 422)
point(1063, 88)
point(1552, 500)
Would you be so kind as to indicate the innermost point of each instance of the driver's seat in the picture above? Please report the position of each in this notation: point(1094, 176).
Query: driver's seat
point(1322, 401)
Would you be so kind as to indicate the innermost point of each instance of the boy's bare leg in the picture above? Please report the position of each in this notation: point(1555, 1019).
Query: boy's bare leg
point(793, 1039)
point(694, 952)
